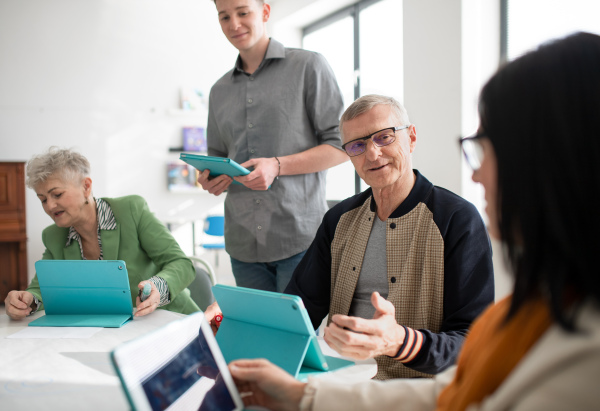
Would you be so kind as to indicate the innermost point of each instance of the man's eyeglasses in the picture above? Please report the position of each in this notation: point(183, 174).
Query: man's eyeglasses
point(473, 150)
point(380, 138)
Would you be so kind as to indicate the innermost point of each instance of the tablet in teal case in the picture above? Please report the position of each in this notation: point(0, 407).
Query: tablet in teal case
point(216, 165)
point(84, 293)
point(275, 326)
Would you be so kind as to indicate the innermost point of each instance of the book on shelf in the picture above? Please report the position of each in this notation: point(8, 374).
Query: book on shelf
point(194, 139)
point(181, 176)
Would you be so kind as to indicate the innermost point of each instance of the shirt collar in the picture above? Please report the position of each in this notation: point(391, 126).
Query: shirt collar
point(106, 220)
point(275, 50)
point(419, 194)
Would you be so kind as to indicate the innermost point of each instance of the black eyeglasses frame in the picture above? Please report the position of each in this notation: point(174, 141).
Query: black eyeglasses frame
point(474, 163)
point(394, 129)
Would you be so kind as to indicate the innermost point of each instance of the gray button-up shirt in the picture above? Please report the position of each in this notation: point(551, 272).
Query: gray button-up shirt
point(291, 103)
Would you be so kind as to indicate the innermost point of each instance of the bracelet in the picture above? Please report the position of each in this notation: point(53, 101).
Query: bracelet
point(306, 402)
point(278, 171)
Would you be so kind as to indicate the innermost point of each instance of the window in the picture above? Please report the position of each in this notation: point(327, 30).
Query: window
point(529, 23)
point(365, 52)
point(525, 24)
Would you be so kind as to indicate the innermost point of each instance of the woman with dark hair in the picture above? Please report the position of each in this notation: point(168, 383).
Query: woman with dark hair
point(537, 154)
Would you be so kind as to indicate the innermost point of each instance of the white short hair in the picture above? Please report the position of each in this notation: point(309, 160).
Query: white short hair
point(65, 164)
point(365, 103)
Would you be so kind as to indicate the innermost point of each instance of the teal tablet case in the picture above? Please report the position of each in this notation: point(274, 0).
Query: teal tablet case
point(86, 293)
point(216, 165)
point(275, 326)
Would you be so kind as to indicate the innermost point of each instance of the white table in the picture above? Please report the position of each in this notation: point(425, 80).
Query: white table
point(362, 371)
point(77, 374)
point(66, 374)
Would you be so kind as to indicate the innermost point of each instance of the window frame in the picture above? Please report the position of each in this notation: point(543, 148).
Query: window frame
point(353, 11)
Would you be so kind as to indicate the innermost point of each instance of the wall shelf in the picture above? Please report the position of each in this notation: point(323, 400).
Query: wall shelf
point(179, 112)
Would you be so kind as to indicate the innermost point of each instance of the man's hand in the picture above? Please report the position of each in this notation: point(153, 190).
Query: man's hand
point(18, 304)
point(360, 339)
point(265, 171)
point(263, 383)
point(215, 185)
point(149, 304)
point(210, 313)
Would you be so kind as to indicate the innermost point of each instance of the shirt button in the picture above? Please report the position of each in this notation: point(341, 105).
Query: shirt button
point(251, 78)
point(259, 227)
point(253, 151)
point(250, 100)
point(257, 201)
point(393, 279)
point(250, 125)
point(393, 225)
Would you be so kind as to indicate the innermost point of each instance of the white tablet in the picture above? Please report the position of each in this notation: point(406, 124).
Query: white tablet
point(176, 367)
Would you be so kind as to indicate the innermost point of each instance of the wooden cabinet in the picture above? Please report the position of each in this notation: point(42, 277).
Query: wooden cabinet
point(13, 235)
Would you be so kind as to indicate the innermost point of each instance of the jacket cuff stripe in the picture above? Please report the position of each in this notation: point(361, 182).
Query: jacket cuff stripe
point(415, 348)
point(409, 340)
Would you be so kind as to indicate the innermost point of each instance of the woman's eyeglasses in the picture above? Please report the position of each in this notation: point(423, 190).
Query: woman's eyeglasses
point(473, 150)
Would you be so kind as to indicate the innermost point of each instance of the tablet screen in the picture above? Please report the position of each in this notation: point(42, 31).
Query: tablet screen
point(178, 367)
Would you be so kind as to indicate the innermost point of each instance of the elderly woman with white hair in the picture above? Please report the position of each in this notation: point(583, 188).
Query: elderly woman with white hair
point(89, 228)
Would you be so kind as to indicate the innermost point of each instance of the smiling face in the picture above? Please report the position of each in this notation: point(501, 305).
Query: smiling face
point(64, 201)
point(244, 23)
point(382, 167)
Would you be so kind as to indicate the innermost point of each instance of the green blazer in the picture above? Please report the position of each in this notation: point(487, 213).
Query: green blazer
point(140, 240)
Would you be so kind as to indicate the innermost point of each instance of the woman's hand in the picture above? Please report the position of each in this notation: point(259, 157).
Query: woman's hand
point(18, 304)
point(149, 304)
point(261, 382)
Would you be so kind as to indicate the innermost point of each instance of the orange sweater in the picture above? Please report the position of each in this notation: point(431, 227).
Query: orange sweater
point(491, 351)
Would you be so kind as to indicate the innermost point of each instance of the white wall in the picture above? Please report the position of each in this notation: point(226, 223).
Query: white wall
point(102, 76)
point(432, 86)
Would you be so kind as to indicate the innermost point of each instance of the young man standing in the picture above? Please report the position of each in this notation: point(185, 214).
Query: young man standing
point(276, 113)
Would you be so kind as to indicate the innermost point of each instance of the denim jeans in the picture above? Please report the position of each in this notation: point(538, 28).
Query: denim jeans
point(273, 276)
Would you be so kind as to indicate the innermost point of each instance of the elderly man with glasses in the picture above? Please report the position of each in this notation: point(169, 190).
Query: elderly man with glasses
point(401, 269)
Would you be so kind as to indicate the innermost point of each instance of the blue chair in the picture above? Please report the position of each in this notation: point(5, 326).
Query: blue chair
point(214, 226)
